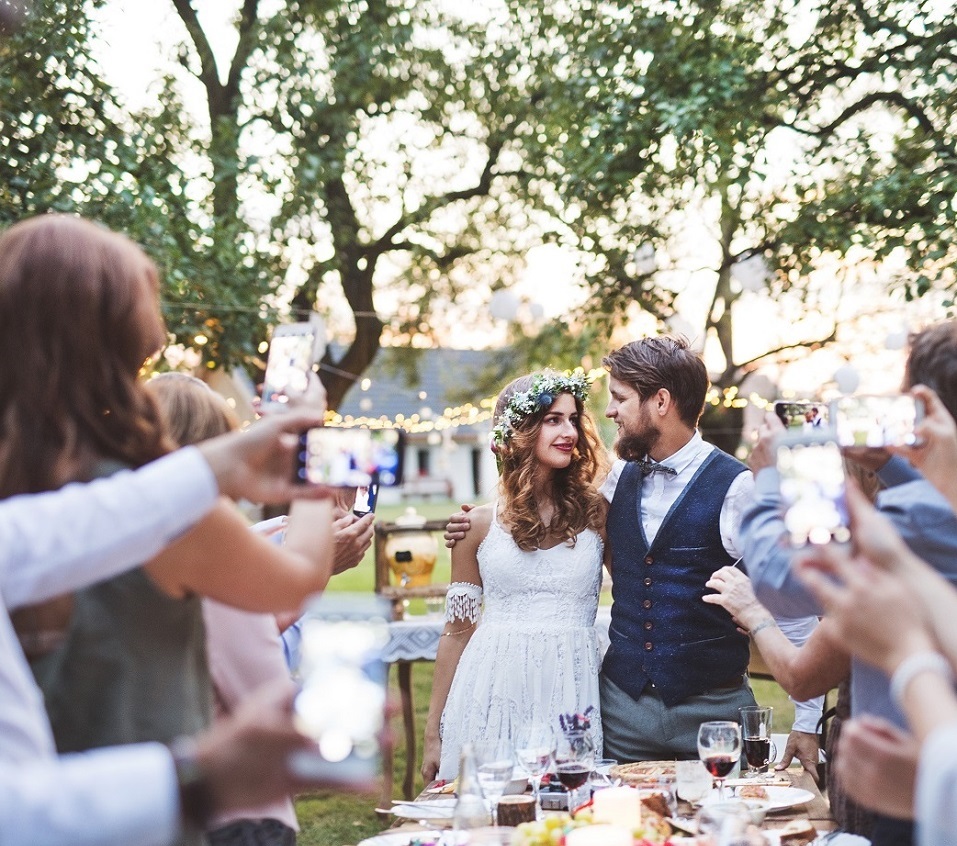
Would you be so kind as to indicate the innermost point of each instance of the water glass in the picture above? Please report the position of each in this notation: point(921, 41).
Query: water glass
point(534, 750)
point(494, 760)
point(692, 781)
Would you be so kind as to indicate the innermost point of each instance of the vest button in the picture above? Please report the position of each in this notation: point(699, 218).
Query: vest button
point(646, 604)
point(649, 625)
point(649, 560)
point(647, 582)
point(649, 646)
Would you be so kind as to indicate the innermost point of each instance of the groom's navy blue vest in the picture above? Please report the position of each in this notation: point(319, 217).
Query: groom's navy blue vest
point(661, 632)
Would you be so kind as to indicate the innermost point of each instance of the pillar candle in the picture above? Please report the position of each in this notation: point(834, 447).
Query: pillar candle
point(619, 806)
point(599, 835)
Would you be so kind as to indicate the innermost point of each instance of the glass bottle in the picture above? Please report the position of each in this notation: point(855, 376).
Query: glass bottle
point(471, 811)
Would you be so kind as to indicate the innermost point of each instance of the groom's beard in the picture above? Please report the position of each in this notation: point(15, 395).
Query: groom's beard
point(637, 446)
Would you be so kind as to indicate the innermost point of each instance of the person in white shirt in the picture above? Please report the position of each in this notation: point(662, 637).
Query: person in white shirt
point(140, 794)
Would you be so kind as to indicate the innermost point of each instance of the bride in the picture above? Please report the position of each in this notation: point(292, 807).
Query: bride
point(535, 555)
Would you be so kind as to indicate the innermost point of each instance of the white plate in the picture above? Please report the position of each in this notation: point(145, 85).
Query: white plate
point(778, 797)
point(435, 809)
point(397, 838)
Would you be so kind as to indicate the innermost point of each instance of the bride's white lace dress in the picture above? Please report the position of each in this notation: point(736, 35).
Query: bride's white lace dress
point(534, 654)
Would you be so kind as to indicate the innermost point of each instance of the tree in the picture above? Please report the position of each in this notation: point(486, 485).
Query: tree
point(689, 143)
point(381, 131)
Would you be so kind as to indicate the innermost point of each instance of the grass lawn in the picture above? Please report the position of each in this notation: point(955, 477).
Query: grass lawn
point(335, 819)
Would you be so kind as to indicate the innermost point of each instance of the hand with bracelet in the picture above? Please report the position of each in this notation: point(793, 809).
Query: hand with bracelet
point(735, 594)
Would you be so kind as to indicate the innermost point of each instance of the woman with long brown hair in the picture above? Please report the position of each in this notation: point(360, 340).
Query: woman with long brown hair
point(535, 557)
point(123, 660)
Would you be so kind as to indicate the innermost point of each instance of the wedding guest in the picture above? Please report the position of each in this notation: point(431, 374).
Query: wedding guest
point(812, 669)
point(534, 556)
point(58, 541)
point(895, 612)
point(920, 513)
point(131, 665)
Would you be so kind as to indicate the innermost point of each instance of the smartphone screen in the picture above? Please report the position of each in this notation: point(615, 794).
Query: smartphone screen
point(876, 421)
point(291, 356)
point(802, 415)
point(813, 490)
point(366, 498)
point(341, 705)
point(351, 458)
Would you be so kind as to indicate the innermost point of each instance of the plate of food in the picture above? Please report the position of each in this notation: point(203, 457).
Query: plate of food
point(778, 798)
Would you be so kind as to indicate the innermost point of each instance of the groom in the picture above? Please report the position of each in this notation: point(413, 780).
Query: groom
point(674, 661)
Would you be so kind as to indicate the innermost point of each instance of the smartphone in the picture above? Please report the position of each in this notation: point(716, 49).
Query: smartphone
point(366, 498)
point(350, 458)
point(293, 350)
point(871, 420)
point(802, 415)
point(342, 702)
point(813, 488)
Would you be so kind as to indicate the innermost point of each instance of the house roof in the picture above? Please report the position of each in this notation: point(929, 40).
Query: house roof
point(442, 374)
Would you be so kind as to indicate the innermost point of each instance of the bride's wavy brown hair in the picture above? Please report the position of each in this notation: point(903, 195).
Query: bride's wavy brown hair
point(78, 318)
point(578, 504)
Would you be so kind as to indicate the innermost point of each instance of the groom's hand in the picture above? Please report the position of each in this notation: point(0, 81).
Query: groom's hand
point(458, 526)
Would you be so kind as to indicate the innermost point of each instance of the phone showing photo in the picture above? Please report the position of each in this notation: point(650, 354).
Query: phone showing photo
point(872, 420)
point(813, 489)
point(342, 701)
point(350, 458)
point(293, 350)
point(366, 498)
point(802, 415)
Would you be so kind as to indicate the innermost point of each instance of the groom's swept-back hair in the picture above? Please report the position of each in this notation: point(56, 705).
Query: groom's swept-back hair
point(663, 361)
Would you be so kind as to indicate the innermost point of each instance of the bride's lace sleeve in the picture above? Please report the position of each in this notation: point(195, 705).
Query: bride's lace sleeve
point(463, 601)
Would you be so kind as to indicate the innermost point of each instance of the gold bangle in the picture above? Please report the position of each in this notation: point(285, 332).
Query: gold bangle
point(460, 631)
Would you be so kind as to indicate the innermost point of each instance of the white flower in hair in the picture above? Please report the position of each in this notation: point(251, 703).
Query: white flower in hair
point(542, 393)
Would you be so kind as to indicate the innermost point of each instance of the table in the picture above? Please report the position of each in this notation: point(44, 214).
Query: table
point(817, 810)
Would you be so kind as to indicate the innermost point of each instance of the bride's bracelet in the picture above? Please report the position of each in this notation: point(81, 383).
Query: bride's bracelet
point(469, 627)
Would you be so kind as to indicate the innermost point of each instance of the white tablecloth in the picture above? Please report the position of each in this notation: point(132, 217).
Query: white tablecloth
point(416, 638)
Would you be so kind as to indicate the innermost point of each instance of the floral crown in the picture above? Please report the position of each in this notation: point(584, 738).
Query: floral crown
point(542, 393)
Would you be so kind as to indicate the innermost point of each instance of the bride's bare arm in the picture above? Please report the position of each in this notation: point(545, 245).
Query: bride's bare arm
point(455, 636)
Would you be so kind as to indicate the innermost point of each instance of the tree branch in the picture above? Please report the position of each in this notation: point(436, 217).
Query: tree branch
point(207, 60)
point(248, 30)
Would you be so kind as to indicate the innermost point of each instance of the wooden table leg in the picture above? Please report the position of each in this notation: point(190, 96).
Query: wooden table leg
point(408, 720)
point(388, 766)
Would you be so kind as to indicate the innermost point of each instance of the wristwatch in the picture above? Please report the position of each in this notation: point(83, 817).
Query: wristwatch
point(195, 794)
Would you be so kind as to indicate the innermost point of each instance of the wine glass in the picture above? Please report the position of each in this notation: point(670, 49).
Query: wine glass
point(574, 760)
point(719, 747)
point(494, 759)
point(534, 748)
point(759, 750)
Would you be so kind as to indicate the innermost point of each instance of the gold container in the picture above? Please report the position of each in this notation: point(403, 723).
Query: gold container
point(411, 554)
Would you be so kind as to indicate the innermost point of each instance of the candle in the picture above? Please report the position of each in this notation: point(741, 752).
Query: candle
point(599, 835)
point(619, 806)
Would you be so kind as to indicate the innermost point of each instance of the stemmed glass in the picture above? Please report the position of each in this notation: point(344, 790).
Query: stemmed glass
point(719, 747)
point(534, 749)
point(574, 760)
point(494, 760)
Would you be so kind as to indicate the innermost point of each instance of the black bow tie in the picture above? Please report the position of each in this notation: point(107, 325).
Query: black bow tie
point(647, 467)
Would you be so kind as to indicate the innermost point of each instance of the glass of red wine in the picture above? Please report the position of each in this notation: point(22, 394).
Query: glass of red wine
point(574, 761)
point(756, 732)
point(719, 747)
